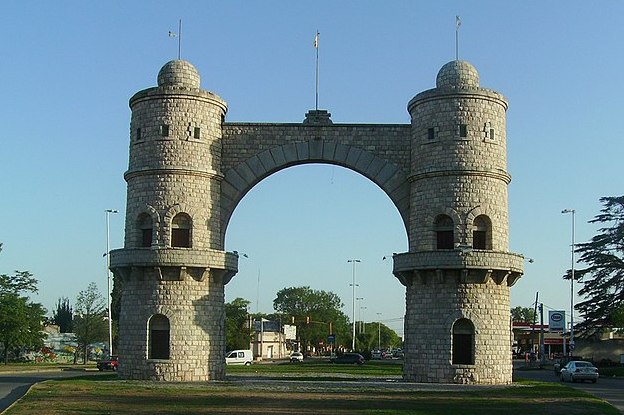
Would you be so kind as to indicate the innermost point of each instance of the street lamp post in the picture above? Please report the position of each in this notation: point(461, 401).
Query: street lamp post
point(571, 346)
point(108, 280)
point(378, 331)
point(353, 285)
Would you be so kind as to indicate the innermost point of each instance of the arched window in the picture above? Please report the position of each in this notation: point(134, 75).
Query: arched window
point(443, 226)
point(181, 231)
point(144, 230)
point(158, 337)
point(463, 342)
point(481, 234)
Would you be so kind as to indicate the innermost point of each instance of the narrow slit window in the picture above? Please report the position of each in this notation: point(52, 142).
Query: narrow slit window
point(197, 133)
point(144, 231)
point(138, 134)
point(445, 236)
point(164, 130)
point(463, 342)
point(491, 134)
point(158, 337)
point(481, 234)
point(181, 231)
point(463, 130)
point(431, 134)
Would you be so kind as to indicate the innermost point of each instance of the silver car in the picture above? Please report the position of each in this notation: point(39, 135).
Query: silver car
point(579, 370)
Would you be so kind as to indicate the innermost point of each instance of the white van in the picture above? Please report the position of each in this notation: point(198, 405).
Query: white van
point(239, 357)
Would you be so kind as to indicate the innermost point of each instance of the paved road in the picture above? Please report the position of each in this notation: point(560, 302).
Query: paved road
point(609, 389)
point(14, 385)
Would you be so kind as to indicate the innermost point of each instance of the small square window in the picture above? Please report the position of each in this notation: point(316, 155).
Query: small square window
point(463, 130)
point(197, 133)
point(164, 130)
point(431, 133)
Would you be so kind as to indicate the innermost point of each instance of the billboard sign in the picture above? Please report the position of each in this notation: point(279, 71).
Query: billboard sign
point(556, 320)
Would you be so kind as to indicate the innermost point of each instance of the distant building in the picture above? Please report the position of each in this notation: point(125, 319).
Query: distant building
point(272, 340)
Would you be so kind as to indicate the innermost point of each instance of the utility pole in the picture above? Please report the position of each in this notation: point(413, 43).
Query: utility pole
point(541, 308)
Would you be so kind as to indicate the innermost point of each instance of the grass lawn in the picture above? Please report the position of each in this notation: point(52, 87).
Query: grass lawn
point(255, 390)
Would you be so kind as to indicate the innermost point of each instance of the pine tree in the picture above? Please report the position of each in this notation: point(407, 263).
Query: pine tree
point(63, 316)
point(603, 278)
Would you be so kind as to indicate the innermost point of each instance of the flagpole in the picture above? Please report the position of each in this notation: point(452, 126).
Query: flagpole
point(457, 24)
point(316, 46)
point(179, 38)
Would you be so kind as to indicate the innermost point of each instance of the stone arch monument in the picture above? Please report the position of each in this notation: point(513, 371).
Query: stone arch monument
point(446, 173)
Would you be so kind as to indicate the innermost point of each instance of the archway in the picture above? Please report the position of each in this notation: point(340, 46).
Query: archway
point(300, 225)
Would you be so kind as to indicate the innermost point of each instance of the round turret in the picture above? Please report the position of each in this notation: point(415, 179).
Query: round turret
point(178, 73)
point(457, 74)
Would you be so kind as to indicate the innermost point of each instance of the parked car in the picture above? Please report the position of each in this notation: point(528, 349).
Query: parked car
point(349, 358)
point(579, 370)
point(239, 357)
point(560, 363)
point(108, 364)
point(296, 357)
point(376, 354)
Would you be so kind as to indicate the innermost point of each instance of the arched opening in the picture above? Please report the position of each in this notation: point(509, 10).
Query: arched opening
point(181, 231)
point(158, 340)
point(300, 225)
point(444, 231)
point(463, 342)
point(481, 233)
point(144, 230)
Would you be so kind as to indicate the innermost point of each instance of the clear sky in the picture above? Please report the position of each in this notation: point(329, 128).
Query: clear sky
point(69, 67)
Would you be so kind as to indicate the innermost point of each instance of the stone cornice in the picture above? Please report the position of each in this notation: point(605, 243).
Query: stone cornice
point(498, 175)
point(131, 174)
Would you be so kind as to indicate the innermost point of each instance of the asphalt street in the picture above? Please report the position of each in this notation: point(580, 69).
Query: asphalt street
point(14, 385)
point(609, 389)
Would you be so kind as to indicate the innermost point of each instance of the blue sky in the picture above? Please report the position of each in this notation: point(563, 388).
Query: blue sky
point(69, 68)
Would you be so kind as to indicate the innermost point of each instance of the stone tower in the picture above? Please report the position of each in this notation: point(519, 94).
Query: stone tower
point(458, 269)
point(445, 172)
point(173, 266)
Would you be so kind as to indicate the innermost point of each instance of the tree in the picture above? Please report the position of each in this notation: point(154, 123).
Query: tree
point(603, 278)
point(313, 311)
point(237, 331)
point(21, 321)
point(63, 316)
point(377, 334)
point(90, 323)
point(523, 314)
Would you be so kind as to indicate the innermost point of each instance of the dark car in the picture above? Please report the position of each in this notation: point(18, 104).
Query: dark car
point(108, 364)
point(349, 358)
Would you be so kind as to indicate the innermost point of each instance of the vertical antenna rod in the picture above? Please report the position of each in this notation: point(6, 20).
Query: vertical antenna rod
point(457, 25)
point(179, 38)
point(316, 46)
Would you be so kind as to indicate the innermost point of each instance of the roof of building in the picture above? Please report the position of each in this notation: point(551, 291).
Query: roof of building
point(457, 74)
point(178, 73)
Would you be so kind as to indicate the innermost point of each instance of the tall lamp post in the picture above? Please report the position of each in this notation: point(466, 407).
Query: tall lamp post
point(108, 279)
point(353, 285)
point(378, 331)
point(571, 346)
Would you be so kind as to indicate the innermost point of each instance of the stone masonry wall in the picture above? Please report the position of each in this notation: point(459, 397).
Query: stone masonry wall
point(431, 310)
point(196, 313)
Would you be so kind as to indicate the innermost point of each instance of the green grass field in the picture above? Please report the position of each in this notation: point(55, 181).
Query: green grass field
point(301, 389)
